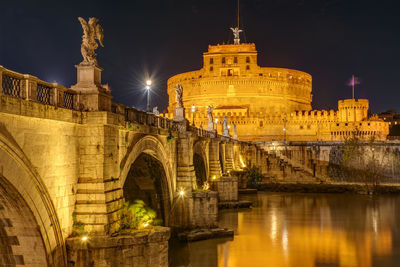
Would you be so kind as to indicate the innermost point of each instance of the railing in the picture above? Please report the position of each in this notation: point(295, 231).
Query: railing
point(141, 117)
point(31, 88)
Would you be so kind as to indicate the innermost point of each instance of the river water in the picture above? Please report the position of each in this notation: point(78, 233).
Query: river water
point(302, 230)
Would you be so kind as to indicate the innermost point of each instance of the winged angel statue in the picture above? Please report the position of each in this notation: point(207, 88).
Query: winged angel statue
point(91, 32)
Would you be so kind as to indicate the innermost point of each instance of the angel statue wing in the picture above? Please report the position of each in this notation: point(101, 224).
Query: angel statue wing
point(85, 26)
point(99, 34)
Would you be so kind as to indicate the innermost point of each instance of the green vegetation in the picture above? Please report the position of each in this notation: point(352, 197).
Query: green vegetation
point(138, 216)
point(78, 227)
point(253, 175)
point(360, 164)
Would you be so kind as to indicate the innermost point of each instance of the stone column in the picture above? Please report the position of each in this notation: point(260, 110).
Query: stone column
point(236, 156)
point(30, 87)
point(214, 164)
point(185, 176)
point(98, 195)
point(92, 95)
point(229, 157)
point(222, 157)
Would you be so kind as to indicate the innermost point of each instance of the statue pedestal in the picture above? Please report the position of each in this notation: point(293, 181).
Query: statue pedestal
point(92, 96)
point(210, 126)
point(226, 132)
point(179, 114)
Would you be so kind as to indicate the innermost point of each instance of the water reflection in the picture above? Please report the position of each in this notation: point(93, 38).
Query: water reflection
point(304, 230)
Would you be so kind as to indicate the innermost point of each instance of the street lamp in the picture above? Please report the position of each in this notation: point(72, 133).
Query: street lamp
point(148, 84)
point(216, 125)
point(193, 111)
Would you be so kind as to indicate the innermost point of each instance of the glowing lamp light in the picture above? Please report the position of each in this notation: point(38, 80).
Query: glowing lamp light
point(193, 108)
point(84, 238)
point(284, 129)
point(148, 82)
point(145, 225)
point(214, 177)
point(216, 121)
point(229, 126)
point(147, 87)
point(181, 193)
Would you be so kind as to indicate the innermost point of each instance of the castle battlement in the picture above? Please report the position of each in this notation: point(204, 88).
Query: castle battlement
point(263, 101)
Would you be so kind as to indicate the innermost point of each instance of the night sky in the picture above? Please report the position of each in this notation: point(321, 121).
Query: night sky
point(330, 39)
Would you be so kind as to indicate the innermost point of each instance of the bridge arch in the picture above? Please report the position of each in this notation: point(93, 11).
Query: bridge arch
point(28, 203)
point(152, 147)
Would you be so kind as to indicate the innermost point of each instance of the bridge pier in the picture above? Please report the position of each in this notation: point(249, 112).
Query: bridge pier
point(214, 164)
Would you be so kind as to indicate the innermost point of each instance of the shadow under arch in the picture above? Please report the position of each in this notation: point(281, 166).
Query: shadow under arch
point(145, 149)
point(200, 162)
point(18, 173)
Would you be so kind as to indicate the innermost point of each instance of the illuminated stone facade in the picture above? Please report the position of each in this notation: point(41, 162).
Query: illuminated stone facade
point(267, 103)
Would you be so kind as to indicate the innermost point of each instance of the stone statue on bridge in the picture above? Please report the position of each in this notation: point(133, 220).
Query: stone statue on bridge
point(210, 124)
point(226, 129)
point(91, 32)
point(178, 97)
point(235, 135)
point(179, 109)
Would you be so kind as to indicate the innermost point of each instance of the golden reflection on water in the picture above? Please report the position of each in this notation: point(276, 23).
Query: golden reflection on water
point(308, 231)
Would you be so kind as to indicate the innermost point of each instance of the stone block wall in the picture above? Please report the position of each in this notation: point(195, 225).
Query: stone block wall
point(144, 248)
point(227, 188)
point(49, 137)
point(200, 210)
point(205, 209)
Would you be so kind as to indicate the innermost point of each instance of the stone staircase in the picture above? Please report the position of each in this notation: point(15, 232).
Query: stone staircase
point(283, 169)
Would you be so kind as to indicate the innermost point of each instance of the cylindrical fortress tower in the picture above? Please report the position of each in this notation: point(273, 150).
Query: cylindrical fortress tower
point(232, 82)
point(353, 110)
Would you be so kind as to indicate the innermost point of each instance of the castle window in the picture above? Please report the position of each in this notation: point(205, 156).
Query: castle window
point(211, 68)
point(261, 124)
point(230, 72)
point(211, 61)
point(247, 67)
point(260, 74)
point(235, 60)
point(346, 124)
point(301, 127)
point(223, 60)
point(247, 59)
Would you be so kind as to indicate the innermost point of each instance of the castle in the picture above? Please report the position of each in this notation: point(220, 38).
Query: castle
point(266, 103)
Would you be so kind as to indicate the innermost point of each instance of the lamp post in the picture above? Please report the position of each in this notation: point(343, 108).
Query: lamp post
point(216, 125)
point(148, 84)
point(193, 111)
point(284, 133)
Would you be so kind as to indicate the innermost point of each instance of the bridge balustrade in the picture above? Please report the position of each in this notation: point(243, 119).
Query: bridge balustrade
point(31, 88)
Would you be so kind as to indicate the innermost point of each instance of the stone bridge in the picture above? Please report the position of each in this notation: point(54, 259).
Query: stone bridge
point(69, 157)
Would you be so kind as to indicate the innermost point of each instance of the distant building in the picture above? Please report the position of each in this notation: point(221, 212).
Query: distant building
point(267, 103)
point(393, 119)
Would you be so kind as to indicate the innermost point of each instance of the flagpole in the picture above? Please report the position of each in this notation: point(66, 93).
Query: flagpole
point(238, 13)
point(353, 85)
